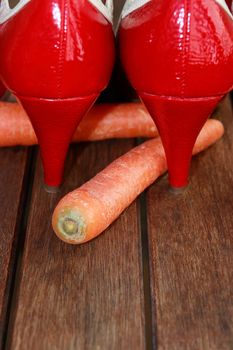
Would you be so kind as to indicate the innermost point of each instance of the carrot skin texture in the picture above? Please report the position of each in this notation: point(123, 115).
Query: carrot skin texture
point(91, 208)
point(104, 121)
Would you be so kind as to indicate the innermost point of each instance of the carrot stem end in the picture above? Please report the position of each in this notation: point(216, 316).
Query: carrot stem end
point(71, 227)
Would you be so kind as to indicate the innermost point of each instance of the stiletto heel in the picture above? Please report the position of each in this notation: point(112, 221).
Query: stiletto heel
point(179, 122)
point(56, 57)
point(177, 56)
point(55, 122)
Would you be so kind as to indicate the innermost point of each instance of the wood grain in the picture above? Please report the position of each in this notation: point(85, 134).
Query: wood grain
point(82, 297)
point(12, 165)
point(191, 253)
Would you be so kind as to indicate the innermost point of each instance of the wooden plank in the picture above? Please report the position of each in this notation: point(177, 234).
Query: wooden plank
point(191, 249)
point(12, 165)
point(80, 297)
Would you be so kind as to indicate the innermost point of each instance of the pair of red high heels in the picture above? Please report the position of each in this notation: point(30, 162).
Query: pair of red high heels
point(57, 56)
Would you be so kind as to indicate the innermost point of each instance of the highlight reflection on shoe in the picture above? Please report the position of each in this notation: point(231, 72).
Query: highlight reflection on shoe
point(9, 8)
point(132, 5)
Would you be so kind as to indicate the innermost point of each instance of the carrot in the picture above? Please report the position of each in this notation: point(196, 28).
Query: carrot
point(86, 212)
point(103, 122)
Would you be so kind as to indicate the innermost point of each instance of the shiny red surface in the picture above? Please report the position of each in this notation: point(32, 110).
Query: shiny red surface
point(179, 48)
point(55, 122)
point(56, 56)
point(178, 55)
point(179, 122)
point(56, 49)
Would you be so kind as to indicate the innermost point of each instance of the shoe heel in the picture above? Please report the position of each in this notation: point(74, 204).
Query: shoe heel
point(55, 122)
point(179, 122)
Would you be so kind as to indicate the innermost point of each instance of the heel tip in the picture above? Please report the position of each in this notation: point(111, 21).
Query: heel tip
point(177, 190)
point(51, 189)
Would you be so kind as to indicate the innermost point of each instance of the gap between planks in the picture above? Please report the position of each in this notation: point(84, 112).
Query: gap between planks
point(16, 258)
point(150, 332)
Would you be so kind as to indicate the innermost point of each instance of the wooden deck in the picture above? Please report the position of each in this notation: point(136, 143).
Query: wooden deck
point(159, 278)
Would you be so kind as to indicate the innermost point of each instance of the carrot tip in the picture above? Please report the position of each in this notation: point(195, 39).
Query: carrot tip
point(71, 227)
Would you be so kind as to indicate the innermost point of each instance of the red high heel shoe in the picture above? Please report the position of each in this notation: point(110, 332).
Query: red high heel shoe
point(178, 55)
point(56, 57)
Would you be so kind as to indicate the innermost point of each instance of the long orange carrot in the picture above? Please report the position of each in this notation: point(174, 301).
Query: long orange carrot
point(86, 212)
point(104, 121)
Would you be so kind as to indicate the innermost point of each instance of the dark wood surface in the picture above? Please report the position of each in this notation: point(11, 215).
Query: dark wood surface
point(12, 165)
point(191, 252)
point(88, 297)
point(159, 278)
